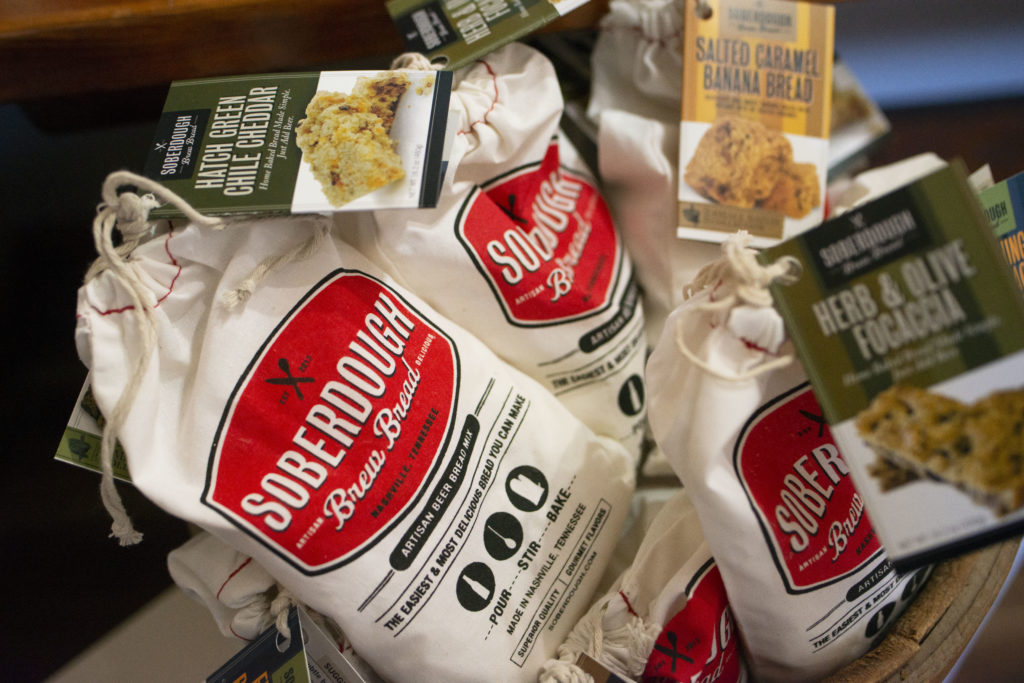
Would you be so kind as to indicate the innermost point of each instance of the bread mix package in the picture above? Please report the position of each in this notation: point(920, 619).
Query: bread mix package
point(236, 590)
point(635, 100)
point(666, 616)
point(521, 249)
point(386, 468)
point(808, 580)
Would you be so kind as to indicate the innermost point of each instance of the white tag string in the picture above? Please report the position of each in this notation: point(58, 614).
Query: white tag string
point(241, 292)
point(414, 61)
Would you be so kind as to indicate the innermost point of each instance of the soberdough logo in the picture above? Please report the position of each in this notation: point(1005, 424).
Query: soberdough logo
point(338, 424)
point(812, 517)
point(543, 239)
point(175, 150)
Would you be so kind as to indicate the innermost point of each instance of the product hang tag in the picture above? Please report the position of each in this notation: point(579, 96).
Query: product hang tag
point(755, 122)
point(314, 142)
point(307, 656)
point(80, 443)
point(455, 33)
point(908, 323)
point(1004, 207)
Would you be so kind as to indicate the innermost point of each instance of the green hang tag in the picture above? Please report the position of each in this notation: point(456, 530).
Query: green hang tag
point(313, 142)
point(909, 325)
point(454, 33)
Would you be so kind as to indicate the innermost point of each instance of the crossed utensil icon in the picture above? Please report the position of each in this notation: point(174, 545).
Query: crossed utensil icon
point(289, 379)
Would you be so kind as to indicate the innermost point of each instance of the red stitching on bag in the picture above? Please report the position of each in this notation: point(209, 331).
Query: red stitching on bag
point(494, 82)
point(232, 575)
point(746, 342)
point(170, 288)
point(231, 628)
point(629, 607)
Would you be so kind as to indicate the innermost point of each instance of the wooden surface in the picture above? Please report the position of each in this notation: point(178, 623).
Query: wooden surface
point(930, 636)
point(68, 47)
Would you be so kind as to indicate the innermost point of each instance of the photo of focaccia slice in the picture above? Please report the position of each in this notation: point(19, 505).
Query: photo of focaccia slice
point(345, 138)
point(978, 448)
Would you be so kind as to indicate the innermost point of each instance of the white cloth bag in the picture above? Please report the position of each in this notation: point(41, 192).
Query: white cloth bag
point(670, 596)
point(635, 100)
point(236, 590)
point(378, 461)
point(808, 582)
point(521, 249)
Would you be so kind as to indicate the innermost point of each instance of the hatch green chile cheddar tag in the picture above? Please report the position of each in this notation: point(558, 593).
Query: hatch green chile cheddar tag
point(908, 323)
point(303, 142)
point(454, 33)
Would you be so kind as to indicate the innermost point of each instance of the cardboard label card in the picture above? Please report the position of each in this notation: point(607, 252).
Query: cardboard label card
point(308, 656)
point(304, 142)
point(1004, 206)
point(755, 120)
point(857, 126)
point(80, 443)
point(454, 33)
point(909, 325)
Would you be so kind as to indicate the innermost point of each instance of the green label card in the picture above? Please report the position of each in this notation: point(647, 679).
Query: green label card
point(303, 142)
point(908, 323)
point(453, 33)
point(80, 443)
point(1004, 206)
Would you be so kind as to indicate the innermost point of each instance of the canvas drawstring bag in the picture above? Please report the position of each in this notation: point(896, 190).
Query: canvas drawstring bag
point(635, 101)
point(521, 249)
point(275, 388)
point(807, 578)
point(665, 618)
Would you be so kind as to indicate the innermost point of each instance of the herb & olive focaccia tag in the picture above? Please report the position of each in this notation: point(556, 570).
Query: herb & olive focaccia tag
point(908, 321)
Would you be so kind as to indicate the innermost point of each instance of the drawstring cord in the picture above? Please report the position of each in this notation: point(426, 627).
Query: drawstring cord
point(414, 61)
point(744, 281)
point(241, 292)
point(280, 606)
point(128, 213)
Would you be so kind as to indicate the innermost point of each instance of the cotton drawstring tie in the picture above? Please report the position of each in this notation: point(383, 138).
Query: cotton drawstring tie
point(414, 61)
point(738, 279)
point(280, 606)
point(624, 649)
point(241, 292)
point(129, 213)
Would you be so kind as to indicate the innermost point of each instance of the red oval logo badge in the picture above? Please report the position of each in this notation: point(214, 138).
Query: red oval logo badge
point(799, 485)
point(544, 240)
point(329, 437)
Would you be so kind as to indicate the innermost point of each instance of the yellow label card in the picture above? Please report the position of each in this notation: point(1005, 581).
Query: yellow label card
point(757, 83)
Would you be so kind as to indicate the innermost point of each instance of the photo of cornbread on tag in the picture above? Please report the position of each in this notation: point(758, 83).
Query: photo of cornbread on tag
point(978, 448)
point(345, 138)
point(741, 162)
